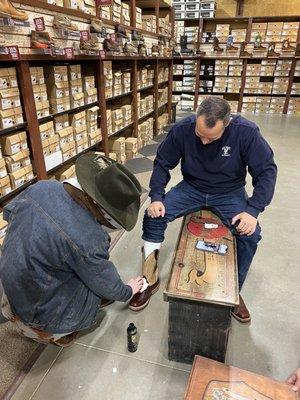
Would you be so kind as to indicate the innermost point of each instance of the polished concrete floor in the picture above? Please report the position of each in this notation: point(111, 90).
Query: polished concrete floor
point(99, 367)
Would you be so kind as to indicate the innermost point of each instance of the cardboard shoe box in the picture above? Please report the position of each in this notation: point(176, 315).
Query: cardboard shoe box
point(3, 170)
point(68, 150)
point(66, 174)
point(74, 72)
point(92, 114)
point(3, 227)
point(12, 144)
point(8, 78)
point(78, 119)
point(51, 145)
point(42, 109)
point(37, 75)
point(9, 98)
point(11, 117)
point(77, 100)
point(17, 161)
point(60, 122)
point(94, 137)
point(54, 74)
point(88, 82)
point(82, 145)
point(5, 186)
point(47, 130)
point(80, 132)
point(65, 136)
point(40, 93)
point(60, 105)
point(117, 145)
point(90, 96)
point(21, 176)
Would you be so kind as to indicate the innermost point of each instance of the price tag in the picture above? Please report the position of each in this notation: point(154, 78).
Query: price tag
point(84, 35)
point(102, 53)
point(14, 52)
point(69, 53)
point(39, 24)
point(103, 2)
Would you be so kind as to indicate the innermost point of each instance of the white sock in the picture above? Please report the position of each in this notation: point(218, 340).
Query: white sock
point(149, 247)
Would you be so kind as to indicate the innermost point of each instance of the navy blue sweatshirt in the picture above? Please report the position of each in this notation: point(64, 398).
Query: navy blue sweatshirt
point(220, 166)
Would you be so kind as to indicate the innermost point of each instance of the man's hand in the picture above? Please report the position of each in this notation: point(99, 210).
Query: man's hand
point(247, 223)
point(156, 209)
point(136, 284)
point(294, 380)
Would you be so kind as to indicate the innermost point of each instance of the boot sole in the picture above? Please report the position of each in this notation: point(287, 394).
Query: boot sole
point(242, 320)
point(145, 304)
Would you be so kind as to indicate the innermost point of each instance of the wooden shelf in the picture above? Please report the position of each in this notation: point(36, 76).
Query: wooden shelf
point(119, 96)
point(70, 111)
point(121, 130)
point(145, 116)
point(145, 88)
point(14, 192)
point(13, 129)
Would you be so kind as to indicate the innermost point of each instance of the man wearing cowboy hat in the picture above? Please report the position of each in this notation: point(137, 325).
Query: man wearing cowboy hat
point(54, 267)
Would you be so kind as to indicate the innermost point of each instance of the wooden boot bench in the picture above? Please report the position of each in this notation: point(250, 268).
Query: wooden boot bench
point(202, 289)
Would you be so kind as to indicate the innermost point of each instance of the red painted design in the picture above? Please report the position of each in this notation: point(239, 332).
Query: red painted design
point(196, 227)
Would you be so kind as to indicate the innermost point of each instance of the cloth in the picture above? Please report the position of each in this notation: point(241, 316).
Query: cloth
point(218, 167)
point(54, 266)
point(184, 199)
point(24, 330)
point(149, 247)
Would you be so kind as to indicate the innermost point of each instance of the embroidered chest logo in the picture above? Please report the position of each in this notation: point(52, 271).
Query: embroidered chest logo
point(226, 151)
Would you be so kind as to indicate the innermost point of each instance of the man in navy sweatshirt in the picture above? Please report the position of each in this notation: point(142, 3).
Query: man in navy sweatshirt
point(215, 149)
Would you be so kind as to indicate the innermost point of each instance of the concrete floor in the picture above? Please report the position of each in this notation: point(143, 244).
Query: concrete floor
point(98, 366)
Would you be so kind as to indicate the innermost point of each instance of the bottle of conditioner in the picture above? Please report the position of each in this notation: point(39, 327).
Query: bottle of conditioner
point(132, 342)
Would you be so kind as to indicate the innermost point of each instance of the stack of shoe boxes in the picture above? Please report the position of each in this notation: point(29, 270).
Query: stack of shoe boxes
point(66, 173)
point(78, 123)
point(131, 148)
point(191, 9)
point(162, 96)
point(145, 132)
point(10, 105)
point(205, 86)
point(117, 83)
point(233, 105)
point(252, 78)
point(138, 18)
point(89, 86)
point(178, 30)
point(234, 79)
point(39, 91)
point(177, 69)
point(267, 67)
point(191, 32)
point(239, 35)
point(207, 70)
point(126, 81)
point(17, 160)
point(189, 67)
point(66, 141)
point(116, 10)
point(94, 133)
point(162, 121)
point(117, 146)
point(274, 30)
point(258, 28)
point(163, 74)
point(125, 18)
point(105, 12)
point(221, 70)
point(108, 74)
point(280, 85)
point(262, 104)
point(50, 140)
point(208, 37)
point(187, 102)
point(294, 106)
point(164, 26)
point(177, 86)
point(3, 229)
point(249, 103)
point(145, 77)
point(290, 31)
point(56, 78)
point(145, 104)
point(276, 105)
point(222, 32)
point(75, 80)
point(149, 23)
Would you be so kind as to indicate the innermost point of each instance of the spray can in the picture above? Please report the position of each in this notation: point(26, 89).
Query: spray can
point(132, 343)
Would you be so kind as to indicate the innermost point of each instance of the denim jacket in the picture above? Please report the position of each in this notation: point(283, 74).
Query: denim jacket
point(54, 266)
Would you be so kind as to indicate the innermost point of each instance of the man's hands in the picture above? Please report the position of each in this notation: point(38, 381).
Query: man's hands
point(136, 284)
point(156, 209)
point(294, 380)
point(247, 223)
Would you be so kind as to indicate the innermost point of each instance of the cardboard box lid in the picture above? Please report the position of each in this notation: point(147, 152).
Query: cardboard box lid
point(4, 181)
point(7, 113)
point(16, 138)
point(7, 93)
point(53, 140)
point(79, 129)
point(46, 126)
point(93, 109)
point(77, 96)
point(77, 67)
point(21, 172)
point(2, 163)
point(65, 132)
point(94, 134)
point(91, 92)
point(17, 156)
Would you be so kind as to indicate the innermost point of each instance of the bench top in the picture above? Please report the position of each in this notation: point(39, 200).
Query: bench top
point(211, 379)
point(200, 275)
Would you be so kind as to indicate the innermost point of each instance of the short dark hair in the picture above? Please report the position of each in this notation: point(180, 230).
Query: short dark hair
point(214, 109)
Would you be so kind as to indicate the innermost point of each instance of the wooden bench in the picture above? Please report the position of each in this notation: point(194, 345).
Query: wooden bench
point(212, 380)
point(201, 290)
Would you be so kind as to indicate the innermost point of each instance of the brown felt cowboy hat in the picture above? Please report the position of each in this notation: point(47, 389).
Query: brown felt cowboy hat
point(111, 185)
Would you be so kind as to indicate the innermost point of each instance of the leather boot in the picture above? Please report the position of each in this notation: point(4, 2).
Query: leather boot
point(40, 40)
point(243, 52)
point(217, 47)
point(150, 271)
point(9, 11)
point(286, 46)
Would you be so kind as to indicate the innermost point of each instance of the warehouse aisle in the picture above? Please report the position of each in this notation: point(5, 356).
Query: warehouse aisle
point(98, 366)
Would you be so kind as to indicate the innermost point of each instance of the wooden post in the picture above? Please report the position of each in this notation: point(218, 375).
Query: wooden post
point(135, 118)
point(170, 89)
point(30, 114)
point(289, 89)
point(155, 97)
point(100, 82)
point(132, 13)
point(239, 8)
point(197, 86)
point(157, 15)
point(245, 63)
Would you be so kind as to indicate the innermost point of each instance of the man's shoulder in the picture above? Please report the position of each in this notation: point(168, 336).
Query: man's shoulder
point(240, 122)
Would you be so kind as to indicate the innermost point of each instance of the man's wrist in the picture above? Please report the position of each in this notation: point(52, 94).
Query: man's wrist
point(253, 211)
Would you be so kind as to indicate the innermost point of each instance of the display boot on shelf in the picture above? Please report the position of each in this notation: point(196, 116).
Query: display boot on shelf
point(142, 50)
point(150, 272)
point(97, 26)
point(257, 43)
point(286, 46)
point(271, 50)
point(243, 52)
point(183, 46)
point(111, 47)
point(130, 49)
point(63, 22)
point(167, 52)
point(91, 44)
point(176, 51)
point(229, 44)
point(7, 10)
point(200, 52)
point(216, 46)
point(40, 40)
point(120, 32)
point(155, 50)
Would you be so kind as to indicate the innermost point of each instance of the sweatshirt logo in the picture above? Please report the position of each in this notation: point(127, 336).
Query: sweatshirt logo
point(226, 151)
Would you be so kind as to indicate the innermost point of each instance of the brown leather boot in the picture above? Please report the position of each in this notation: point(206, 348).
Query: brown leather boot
point(9, 11)
point(241, 312)
point(150, 271)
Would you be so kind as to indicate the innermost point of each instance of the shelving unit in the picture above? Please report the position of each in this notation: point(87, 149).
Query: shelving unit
point(134, 63)
point(211, 58)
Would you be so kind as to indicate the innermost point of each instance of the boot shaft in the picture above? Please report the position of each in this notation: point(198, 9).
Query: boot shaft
point(149, 267)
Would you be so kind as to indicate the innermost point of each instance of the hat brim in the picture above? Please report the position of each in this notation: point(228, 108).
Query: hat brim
point(85, 172)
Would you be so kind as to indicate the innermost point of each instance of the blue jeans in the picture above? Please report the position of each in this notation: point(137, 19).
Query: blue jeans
point(184, 199)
